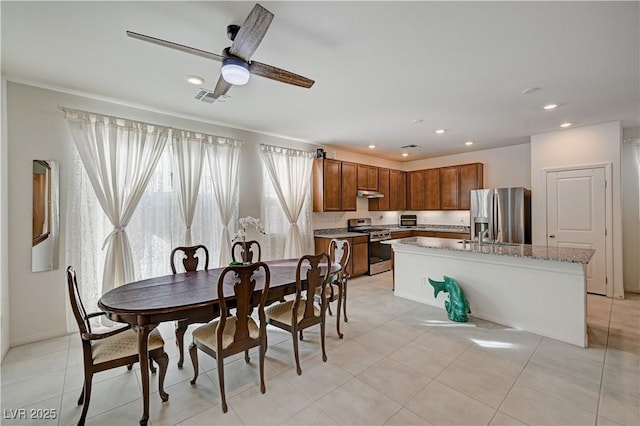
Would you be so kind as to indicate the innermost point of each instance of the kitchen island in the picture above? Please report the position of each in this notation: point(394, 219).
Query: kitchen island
point(534, 288)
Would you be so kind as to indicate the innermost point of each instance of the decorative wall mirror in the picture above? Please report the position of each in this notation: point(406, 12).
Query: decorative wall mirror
point(44, 238)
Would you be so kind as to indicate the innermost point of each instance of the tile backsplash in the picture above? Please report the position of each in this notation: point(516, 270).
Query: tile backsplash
point(434, 217)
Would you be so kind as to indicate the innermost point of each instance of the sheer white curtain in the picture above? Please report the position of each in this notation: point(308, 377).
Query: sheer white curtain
point(189, 151)
point(119, 157)
point(289, 173)
point(224, 158)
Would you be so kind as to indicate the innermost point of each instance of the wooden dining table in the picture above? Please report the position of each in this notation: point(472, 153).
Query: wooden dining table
point(192, 295)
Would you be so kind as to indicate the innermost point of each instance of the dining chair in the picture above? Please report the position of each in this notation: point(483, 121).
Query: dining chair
point(302, 312)
point(191, 257)
point(339, 252)
point(232, 334)
point(245, 251)
point(107, 350)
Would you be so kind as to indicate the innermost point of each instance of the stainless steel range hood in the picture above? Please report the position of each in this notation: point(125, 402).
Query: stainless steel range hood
point(370, 194)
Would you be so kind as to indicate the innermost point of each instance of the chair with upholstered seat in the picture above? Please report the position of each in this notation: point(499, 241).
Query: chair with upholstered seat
point(232, 334)
point(339, 252)
point(244, 251)
point(191, 257)
point(302, 312)
point(115, 348)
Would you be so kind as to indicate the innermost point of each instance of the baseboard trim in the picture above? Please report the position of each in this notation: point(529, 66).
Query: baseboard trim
point(38, 337)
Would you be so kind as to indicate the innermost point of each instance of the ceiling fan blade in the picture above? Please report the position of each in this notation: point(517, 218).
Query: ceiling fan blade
point(251, 32)
point(278, 74)
point(222, 87)
point(176, 46)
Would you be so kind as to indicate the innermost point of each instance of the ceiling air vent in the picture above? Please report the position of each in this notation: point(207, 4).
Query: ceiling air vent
point(207, 96)
point(409, 146)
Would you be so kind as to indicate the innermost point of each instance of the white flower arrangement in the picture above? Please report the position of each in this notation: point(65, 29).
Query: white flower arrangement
point(246, 222)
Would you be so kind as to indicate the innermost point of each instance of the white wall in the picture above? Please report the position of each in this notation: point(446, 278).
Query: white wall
point(4, 227)
point(503, 167)
point(630, 212)
point(572, 147)
point(36, 129)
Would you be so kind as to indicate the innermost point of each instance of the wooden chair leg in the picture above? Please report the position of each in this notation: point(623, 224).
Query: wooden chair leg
point(263, 350)
point(193, 352)
point(301, 336)
point(329, 308)
point(163, 363)
point(87, 397)
point(223, 397)
point(322, 329)
point(344, 302)
point(246, 356)
point(81, 399)
point(340, 335)
point(294, 334)
point(151, 366)
point(129, 367)
point(181, 329)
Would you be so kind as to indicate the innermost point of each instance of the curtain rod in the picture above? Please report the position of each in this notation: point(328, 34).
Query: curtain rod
point(65, 109)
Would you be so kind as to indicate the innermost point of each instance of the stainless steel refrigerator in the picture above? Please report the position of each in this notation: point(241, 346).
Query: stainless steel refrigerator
point(501, 214)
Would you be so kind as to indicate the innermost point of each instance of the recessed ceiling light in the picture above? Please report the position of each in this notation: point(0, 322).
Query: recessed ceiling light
point(405, 154)
point(195, 80)
point(530, 90)
point(417, 121)
point(468, 143)
point(372, 146)
point(567, 124)
point(550, 106)
point(440, 131)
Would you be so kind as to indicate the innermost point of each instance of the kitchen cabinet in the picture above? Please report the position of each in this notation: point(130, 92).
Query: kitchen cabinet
point(416, 190)
point(440, 234)
point(400, 234)
point(444, 188)
point(393, 185)
point(432, 189)
point(470, 176)
point(381, 204)
point(359, 262)
point(456, 182)
point(334, 185)
point(367, 177)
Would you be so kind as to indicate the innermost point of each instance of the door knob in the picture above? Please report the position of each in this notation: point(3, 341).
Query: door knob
point(552, 236)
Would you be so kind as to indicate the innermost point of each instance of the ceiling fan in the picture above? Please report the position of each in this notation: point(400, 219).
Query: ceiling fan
point(236, 63)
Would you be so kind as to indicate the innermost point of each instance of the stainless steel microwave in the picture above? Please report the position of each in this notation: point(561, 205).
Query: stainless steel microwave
point(408, 220)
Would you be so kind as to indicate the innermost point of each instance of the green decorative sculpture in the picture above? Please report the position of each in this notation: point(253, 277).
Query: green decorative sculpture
point(457, 306)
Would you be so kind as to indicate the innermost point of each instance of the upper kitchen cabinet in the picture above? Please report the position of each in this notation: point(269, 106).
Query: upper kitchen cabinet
point(455, 184)
point(470, 176)
point(432, 198)
point(334, 185)
point(416, 190)
point(381, 204)
point(367, 177)
point(397, 190)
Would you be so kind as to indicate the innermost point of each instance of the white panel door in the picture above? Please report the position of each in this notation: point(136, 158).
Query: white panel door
point(576, 218)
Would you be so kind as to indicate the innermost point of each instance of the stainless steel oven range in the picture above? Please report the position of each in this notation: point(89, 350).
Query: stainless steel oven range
point(379, 254)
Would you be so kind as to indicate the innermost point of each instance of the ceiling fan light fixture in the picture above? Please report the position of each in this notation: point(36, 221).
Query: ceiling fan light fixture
point(235, 71)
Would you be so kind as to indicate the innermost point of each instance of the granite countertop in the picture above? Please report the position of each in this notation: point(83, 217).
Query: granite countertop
point(344, 233)
point(562, 254)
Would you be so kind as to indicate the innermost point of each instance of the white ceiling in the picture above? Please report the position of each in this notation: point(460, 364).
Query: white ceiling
point(378, 66)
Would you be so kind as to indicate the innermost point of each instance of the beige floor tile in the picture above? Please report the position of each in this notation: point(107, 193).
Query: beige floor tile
point(576, 390)
point(382, 340)
point(631, 320)
point(356, 403)
point(539, 408)
point(483, 384)
point(353, 357)
point(394, 379)
point(621, 380)
point(74, 376)
point(631, 307)
point(442, 405)
point(30, 391)
point(105, 396)
point(626, 360)
point(619, 407)
point(450, 342)
point(425, 360)
point(280, 402)
point(599, 314)
point(213, 416)
point(568, 358)
point(311, 415)
point(601, 421)
point(501, 419)
point(36, 349)
point(623, 341)
point(406, 417)
point(240, 376)
point(599, 302)
point(32, 367)
point(318, 378)
point(494, 359)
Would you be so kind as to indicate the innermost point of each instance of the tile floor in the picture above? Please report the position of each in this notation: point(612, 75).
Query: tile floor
point(400, 363)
